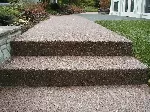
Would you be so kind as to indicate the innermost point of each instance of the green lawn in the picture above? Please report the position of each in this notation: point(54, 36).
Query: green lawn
point(138, 31)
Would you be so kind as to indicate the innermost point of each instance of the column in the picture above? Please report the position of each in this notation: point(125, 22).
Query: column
point(119, 7)
point(112, 7)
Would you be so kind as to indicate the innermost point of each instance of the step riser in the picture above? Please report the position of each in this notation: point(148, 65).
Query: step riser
point(72, 78)
point(71, 48)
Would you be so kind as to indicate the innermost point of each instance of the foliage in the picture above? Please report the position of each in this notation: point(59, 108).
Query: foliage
point(138, 31)
point(88, 5)
point(81, 3)
point(35, 12)
point(64, 9)
point(71, 9)
point(4, 1)
point(31, 14)
point(8, 15)
point(8, 10)
point(52, 12)
point(73, 6)
point(23, 14)
point(13, 1)
point(55, 6)
point(90, 9)
point(104, 4)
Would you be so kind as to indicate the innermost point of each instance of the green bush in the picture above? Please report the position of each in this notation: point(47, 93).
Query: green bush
point(23, 14)
point(91, 9)
point(83, 3)
point(8, 14)
point(8, 10)
point(63, 9)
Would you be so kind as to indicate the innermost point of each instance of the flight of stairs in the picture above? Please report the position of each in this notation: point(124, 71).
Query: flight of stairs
point(70, 64)
point(72, 61)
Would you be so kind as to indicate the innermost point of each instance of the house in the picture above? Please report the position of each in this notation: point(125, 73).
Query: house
point(131, 8)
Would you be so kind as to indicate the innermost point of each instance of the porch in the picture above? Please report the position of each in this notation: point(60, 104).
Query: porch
point(131, 8)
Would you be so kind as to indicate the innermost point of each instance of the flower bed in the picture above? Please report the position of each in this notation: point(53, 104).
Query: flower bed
point(25, 15)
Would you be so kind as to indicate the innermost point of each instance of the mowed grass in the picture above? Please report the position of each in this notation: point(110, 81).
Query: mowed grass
point(136, 30)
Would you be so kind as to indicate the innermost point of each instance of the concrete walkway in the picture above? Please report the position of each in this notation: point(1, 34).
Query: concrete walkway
point(93, 16)
point(75, 99)
point(95, 81)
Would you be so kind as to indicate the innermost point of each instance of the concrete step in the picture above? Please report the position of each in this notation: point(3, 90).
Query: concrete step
point(72, 48)
point(72, 71)
point(133, 98)
point(70, 36)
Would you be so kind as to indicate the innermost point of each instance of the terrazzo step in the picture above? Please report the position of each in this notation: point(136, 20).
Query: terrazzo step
point(71, 48)
point(72, 71)
point(133, 98)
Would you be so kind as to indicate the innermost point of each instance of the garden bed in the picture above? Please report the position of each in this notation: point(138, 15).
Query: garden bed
point(25, 15)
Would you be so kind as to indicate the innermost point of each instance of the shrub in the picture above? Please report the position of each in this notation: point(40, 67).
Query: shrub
point(104, 4)
point(91, 9)
point(71, 9)
point(31, 14)
point(54, 6)
point(23, 14)
point(63, 9)
point(8, 15)
point(35, 12)
point(83, 3)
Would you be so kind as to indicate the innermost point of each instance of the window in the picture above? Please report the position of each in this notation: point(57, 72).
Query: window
point(132, 5)
point(147, 7)
point(126, 5)
point(116, 6)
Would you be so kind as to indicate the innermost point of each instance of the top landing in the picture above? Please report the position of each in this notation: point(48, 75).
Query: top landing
point(70, 28)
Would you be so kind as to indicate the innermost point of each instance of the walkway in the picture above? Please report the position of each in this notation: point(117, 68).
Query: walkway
point(71, 64)
point(95, 16)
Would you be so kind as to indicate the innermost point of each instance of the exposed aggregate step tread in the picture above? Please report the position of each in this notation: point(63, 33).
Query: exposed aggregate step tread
point(70, 35)
point(69, 71)
point(76, 99)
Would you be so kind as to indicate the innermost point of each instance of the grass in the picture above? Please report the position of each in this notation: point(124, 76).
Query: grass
point(138, 31)
point(91, 9)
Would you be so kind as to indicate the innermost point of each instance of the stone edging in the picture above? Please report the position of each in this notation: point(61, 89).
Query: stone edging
point(7, 34)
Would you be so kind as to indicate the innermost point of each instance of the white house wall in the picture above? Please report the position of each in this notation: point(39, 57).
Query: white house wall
point(139, 9)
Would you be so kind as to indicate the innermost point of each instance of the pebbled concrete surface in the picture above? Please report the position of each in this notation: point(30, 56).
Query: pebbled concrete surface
point(70, 36)
point(72, 99)
point(73, 63)
point(94, 16)
point(72, 71)
point(75, 99)
point(59, 48)
point(70, 28)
